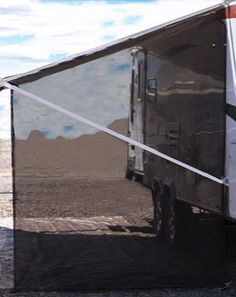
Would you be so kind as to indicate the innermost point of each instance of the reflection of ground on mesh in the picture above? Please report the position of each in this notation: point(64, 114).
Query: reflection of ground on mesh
point(6, 252)
point(6, 216)
point(78, 197)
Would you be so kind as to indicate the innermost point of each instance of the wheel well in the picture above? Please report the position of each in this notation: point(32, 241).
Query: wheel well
point(167, 191)
point(164, 189)
point(156, 186)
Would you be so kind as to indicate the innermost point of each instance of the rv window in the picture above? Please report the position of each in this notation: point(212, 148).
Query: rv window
point(152, 84)
point(152, 89)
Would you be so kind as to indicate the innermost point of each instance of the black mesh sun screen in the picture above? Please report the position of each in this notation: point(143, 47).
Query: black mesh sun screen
point(92, 211)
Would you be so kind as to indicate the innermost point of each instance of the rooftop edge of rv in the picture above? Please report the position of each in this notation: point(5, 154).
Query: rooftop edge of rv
point(114, 46)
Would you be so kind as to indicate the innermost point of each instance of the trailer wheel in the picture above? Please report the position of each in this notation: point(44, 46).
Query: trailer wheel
point(129, 174)
point(159, 215)
point(177, 219)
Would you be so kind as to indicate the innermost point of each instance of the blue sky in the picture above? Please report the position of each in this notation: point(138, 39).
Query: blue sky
point(15, 39)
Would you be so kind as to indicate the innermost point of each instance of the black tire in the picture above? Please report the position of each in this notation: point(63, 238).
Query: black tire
point(159, 215)
point(129, 174)
point(177, 219)
point(170, 222)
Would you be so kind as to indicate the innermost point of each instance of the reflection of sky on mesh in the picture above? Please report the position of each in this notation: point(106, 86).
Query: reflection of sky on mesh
point(98, 90)
point(5, 114)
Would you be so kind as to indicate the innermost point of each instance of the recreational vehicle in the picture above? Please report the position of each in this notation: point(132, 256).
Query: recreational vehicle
point(183, 104)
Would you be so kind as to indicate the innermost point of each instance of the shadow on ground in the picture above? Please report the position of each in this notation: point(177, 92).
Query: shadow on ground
point(58, 262)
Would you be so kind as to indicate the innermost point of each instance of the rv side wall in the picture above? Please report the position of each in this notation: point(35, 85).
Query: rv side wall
point(184, 113)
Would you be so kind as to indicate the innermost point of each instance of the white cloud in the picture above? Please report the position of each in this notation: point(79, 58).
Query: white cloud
point(66, 28)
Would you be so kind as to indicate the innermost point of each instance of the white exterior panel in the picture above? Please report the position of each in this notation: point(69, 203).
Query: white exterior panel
point(230, 161)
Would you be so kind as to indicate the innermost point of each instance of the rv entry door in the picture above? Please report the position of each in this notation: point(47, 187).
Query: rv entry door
point(137, 104)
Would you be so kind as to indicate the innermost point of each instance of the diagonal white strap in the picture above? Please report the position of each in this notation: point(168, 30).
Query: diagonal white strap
point(109, 131)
